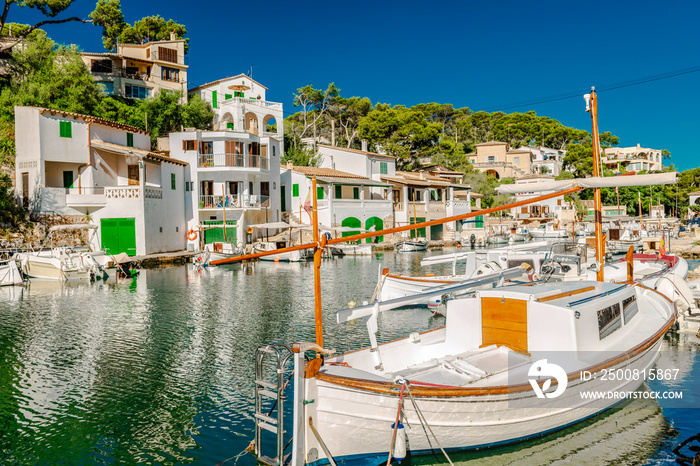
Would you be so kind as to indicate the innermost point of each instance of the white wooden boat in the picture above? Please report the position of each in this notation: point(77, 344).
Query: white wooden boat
point(9, 273)
point(411, 245)
point(352, 249)
point(547, 231)
point(473, 381)
point(520, 234)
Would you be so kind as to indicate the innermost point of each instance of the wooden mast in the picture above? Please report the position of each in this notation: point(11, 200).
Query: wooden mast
point(600, 243)
point(318, 250)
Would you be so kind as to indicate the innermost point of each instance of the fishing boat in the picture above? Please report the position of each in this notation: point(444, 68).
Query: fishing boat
point(348, 249)
point(498, 238)
point(411, 245)
point(490, 376)
point(520, 234)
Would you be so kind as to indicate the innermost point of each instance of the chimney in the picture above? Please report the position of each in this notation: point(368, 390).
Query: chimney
point(172, 35)
point(290, 165)
point(422, 175)
point(639, 145)
point(364, 145)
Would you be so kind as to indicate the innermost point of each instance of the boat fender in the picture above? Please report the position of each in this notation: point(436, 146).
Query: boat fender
point(192, 235)
point(399, 452)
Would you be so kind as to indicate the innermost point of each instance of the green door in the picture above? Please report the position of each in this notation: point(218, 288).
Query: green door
point(479, 221)
point(283, 197)
point(436, 232)
point(68, 179)
point(378, 224)
point(216, 235)
point(419, 231)
point(351, 222)
point(118, 235)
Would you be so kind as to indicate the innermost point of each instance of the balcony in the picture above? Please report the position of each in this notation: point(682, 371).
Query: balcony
point(230, 201)
point(233, 160)
point(258, 103)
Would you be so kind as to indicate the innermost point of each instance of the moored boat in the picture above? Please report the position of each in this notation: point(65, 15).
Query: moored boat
point(410, 245)
point(473, 381)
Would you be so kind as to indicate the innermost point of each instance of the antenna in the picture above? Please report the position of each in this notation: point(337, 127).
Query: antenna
point(250, 73)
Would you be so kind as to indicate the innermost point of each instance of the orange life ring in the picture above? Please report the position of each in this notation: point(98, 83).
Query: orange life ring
point(192, 235)
point(249, 230)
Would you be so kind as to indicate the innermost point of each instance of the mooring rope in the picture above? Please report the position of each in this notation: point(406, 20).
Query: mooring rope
point(422, 419)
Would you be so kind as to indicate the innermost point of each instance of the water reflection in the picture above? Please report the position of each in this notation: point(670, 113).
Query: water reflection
point(159, 369)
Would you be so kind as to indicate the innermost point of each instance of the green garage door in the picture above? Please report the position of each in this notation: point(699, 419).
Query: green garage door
point(378, 224)
point(436, 232)
point(216, 235)
point(118, 235)
point(420, 232)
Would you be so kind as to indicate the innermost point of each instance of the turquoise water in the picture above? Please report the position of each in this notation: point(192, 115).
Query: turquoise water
point(159, 370)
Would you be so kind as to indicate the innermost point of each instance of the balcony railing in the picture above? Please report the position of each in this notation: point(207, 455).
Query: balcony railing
point(132, 192)
point(233, 160)
point(231, 201)
point(100, 190)
point(256, 102)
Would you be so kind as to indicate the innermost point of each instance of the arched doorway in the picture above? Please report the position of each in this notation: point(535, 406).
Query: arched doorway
point(251, 123)
point(270, 124)
point(351, 222)
point(493, 173)
point(227, 121)
point(378, 224)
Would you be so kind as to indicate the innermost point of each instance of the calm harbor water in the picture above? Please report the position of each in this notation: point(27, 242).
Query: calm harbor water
point(159, 370)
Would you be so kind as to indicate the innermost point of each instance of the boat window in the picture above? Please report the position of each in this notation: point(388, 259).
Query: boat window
point(629, 308)
point(516, 263)
point(609, 320)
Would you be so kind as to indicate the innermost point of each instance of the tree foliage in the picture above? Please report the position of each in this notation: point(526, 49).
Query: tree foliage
point(45, 75)
point(108, 15)
point(11, 213)
point(48, 8)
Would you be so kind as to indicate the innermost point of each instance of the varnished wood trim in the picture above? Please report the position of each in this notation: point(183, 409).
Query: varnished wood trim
point(552, 297)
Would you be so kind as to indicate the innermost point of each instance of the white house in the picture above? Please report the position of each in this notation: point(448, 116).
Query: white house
point(74, 164)
point(555, 209)
point(546, 161)
point(138, 71)
point(420, 197)
point(344, 199)
point(359, 162)
point(239, 105)
point(231, 175)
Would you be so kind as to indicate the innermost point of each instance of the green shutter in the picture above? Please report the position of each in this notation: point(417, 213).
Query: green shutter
point(229, 125)
point(65, 130)
point(172, 181)
point(355, 193)
point(383, 168)
point(129, 140)
point(227, 96)
point(338, 192)
point(295, 190)
point(319, 192)
point(213, 99)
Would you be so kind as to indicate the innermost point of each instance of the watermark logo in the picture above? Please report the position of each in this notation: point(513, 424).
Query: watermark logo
point(542, 368)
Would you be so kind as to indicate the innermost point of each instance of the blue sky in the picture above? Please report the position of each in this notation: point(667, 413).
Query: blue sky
point(481, 55)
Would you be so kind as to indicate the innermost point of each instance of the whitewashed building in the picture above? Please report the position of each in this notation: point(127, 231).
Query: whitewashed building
point(231, 175)
point(421, 197)
point(344, 199)
point(359, 162)
point(73, 164)
point(554, 209)
point(139, 71)
point(239, 105)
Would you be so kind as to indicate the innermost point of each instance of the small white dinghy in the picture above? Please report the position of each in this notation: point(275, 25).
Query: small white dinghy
point(411, 245)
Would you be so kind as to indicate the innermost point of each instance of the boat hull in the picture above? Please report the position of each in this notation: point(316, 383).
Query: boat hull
point(411, 246)
point(45, 268)
point(356, 423)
